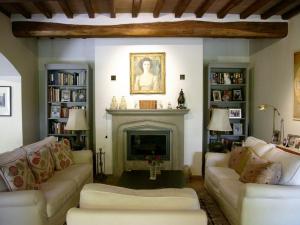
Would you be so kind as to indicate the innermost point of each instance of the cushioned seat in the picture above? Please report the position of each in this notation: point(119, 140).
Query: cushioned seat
point(57, 194)
point(229, 189)
point(218, 174)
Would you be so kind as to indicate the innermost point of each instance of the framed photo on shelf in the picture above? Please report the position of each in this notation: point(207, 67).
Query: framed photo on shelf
point(297, 143)
point(235, 113)
point(227, 95)
point(55, 111)
point(5, 100)
point(291, 139)
point(237, 129)
point(81, 96)
point(65, 95)
point(216, 95)
point(237, 95)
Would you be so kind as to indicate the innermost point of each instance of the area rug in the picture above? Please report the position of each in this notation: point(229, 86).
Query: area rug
point(208, 204)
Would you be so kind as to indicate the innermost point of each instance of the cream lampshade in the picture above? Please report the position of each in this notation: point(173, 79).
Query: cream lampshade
point(219, 120)
point(77, 122)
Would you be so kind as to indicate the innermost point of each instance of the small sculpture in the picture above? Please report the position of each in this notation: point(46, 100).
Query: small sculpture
point(114, 103)
point(123, 104)
point(181, 101)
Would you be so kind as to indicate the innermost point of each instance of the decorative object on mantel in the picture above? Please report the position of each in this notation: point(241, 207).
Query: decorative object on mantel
point(181, 100)
point(148, 104)
point(114, 103)
point(169, 105)
point(277, 134)
point(123, 104)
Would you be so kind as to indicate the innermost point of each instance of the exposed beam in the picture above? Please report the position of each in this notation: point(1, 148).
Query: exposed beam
point(230, 5)
point(276, 8)
point(136, 6)
point(89, 8)
point(203, 7)
point(20, 9)
point(66, 8)
point(253, 8)
point(181, 7)
point(161, 29)
point(112, 8)
point(159, 5)
point(292, 12)
point(4, 11)
point(43, 8)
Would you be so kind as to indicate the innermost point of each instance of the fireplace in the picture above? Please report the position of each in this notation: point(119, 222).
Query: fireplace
point(147, 142)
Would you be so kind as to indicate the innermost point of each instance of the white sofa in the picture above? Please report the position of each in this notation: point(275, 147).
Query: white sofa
point(49, 205)
point(256, 204)
point(102, 204)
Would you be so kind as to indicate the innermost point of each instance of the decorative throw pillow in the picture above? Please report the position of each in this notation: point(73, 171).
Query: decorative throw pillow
point(40, 162)
point(15, 171)
point(238, 158)
point(62, 155)
point(262, 173)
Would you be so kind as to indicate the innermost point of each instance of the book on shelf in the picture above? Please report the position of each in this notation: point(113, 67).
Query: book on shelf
point(67, 78)
point(58, 128)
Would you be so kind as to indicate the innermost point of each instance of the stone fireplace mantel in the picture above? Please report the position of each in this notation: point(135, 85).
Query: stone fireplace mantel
point(170, 119)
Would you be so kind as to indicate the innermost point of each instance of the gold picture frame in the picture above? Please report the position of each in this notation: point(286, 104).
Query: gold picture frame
point(147, 73)
point(296, 113)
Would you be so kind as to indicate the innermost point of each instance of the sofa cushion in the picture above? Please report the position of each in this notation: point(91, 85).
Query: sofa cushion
point(262, 173)
point(40, 162)
point(229, 190)
point(290, 165)
point(78, 173)
point(238, 158)
point(260, 147)
point(218, 174)
point(62, 155)
point(57, 194)
point(15, 171)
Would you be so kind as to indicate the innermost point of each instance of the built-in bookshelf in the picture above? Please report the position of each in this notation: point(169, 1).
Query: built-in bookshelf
point(67, 87)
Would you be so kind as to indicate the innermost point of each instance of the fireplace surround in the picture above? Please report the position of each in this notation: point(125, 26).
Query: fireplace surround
point(124, 122)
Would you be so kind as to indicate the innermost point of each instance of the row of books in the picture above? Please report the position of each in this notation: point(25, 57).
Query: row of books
point(226, 78)
point(66, 95)
point(58, 128)
point(64, 78)
point(58, 111)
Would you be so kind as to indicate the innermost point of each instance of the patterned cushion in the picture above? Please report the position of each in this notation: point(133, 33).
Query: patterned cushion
point(262, 173)
point(15, 171)
point(62, 155)
point(40, 162)
point(238, 158)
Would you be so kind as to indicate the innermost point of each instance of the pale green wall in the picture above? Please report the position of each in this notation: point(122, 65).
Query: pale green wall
point(22, 53)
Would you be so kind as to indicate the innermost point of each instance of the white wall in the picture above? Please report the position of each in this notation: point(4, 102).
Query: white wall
point(183, 56)
point(22, 53)
point(273, 69)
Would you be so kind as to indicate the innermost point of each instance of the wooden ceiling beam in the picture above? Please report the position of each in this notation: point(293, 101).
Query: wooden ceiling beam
point(276, 8)
point(226, 9)
point(21, 9)
point(253, 8)
point(43, 8)
point(4, 11)
point(161, 29)
point(292, 12)
point(89, 8)
point(203, 7)
point(66, 8)
point(158, 7)
point(136, 7)
point(181, 7)
point(112, 8)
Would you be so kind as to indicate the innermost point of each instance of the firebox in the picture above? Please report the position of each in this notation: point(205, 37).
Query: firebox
point(147, 142)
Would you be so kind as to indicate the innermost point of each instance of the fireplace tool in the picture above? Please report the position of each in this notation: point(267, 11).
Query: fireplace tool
point(100, 165)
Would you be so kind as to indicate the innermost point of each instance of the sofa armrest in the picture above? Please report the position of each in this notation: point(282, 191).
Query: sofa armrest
point(216, 159)
point(83, 156)
point(80, 216)
point(271, 205)
point(23, 207)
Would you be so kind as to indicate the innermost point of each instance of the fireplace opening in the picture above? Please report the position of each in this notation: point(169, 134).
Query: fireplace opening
point(146, 142)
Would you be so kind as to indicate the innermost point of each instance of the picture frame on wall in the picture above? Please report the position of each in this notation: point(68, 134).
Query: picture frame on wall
point(235, 113)
point(5, 101)
point(147, 73)
point(296, 113)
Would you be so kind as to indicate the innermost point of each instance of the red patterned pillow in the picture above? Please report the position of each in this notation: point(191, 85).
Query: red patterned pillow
point(40, 162)
point(62, 155)
point(15, 171)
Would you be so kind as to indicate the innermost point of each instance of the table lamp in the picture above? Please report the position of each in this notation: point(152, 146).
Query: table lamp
point(264, 107)
point(219, 122)
point(77, 122)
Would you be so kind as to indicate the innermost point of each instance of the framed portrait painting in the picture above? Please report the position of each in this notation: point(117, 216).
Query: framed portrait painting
point(147, 73)
point(5, 101)
point(297, 86)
